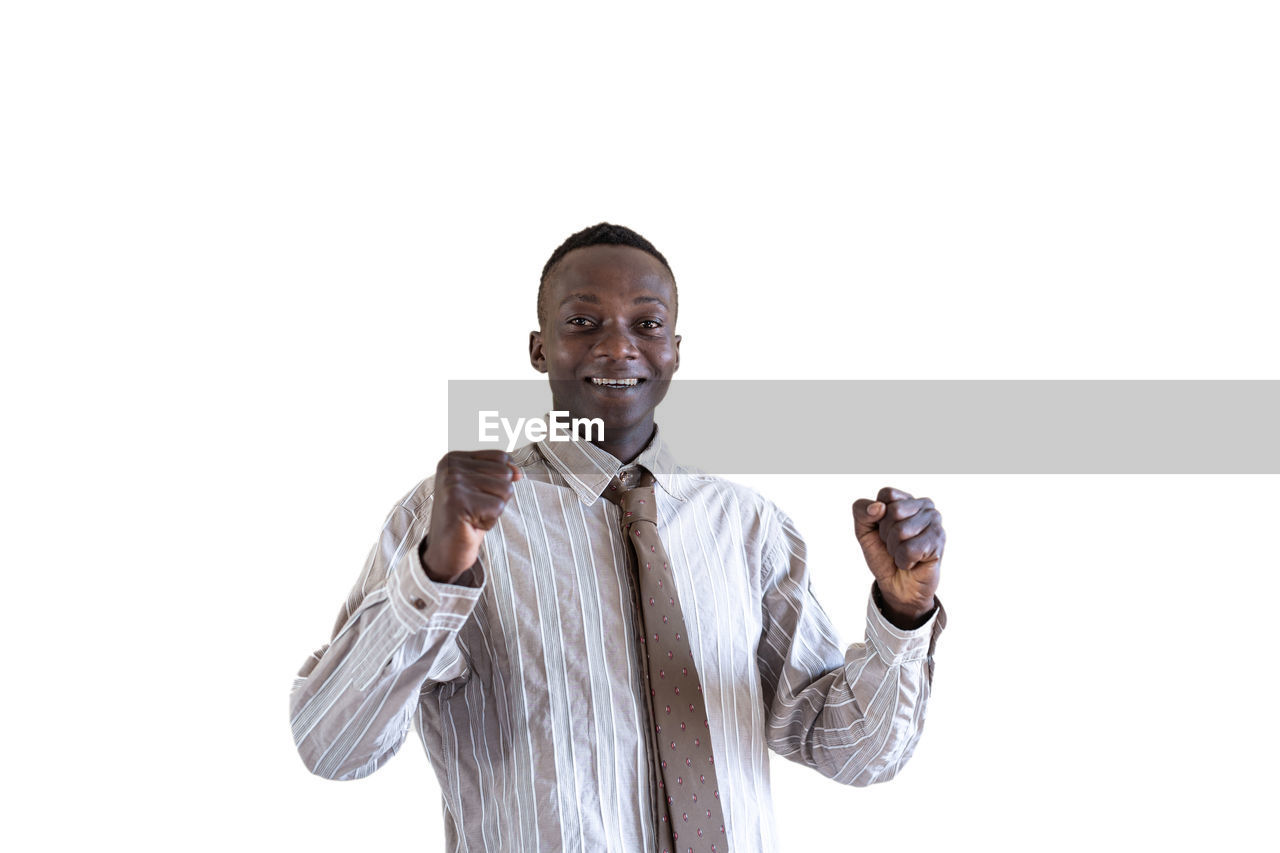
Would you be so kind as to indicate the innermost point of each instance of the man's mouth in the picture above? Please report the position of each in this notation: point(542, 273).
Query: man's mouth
point(603, 382)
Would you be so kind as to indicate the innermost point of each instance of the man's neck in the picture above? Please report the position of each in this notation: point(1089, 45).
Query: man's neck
point(625, 447)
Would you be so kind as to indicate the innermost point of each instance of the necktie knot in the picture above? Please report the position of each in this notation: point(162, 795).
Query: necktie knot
point(633, 491)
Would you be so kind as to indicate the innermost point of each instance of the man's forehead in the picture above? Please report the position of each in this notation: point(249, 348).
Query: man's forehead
point(609, 261)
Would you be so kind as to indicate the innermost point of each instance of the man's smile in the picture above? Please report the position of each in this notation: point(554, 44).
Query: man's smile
point(618, 383)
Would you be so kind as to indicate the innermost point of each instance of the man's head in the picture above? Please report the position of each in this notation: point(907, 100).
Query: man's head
point(604, 234)
point(607, 342)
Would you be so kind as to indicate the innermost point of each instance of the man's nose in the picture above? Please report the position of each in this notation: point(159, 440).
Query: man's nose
point(616, 342)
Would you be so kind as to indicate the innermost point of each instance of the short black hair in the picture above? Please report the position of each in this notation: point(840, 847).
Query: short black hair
point(603, 234)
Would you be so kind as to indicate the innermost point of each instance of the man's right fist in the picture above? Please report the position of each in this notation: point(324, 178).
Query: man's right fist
point(471, 490)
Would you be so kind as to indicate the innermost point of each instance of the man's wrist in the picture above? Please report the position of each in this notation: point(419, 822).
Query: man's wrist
point(466, 574)
point(902, 618)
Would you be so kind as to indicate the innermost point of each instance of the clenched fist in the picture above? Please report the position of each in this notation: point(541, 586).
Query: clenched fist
point(471, 490)
point(902, 540)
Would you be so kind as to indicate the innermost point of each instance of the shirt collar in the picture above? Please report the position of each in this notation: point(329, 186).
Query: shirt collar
point(588, 469)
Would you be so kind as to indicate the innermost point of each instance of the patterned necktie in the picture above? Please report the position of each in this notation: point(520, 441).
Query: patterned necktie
point(691, 818)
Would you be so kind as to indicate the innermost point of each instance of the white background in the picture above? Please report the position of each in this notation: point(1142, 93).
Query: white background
point(244, 245)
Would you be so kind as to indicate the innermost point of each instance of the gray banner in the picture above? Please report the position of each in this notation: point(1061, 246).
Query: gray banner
point(930, 426)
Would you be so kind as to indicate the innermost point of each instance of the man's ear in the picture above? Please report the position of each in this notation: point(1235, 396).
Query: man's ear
point(536, 358)
point(677, 367)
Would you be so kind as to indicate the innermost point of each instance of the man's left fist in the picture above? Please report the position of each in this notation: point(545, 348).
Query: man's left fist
point(902, 540)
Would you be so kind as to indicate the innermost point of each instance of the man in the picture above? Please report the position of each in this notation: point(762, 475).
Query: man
point(537, 615)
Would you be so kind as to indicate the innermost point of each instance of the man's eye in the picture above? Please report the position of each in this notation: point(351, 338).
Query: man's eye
point(579, 321)
point(650, 324)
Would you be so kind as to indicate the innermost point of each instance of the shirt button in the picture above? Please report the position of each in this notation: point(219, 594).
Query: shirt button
point(419, 603)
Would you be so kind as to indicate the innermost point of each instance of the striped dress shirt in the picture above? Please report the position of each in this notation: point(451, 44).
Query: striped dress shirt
point(526, 686)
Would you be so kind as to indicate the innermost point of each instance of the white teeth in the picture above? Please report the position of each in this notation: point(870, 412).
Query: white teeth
point(614, 383)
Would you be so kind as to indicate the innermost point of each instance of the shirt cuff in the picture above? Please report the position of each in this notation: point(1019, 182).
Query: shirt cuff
point(422, 603)
point(893, 644)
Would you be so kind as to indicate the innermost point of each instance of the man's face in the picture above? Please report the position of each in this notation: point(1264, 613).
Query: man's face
point(609, 318)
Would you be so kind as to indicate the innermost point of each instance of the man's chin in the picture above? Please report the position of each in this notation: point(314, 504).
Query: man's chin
point(618, 421)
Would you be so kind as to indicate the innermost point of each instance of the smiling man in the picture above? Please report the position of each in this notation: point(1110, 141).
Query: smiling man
point(598, 645)
point(607, 344)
